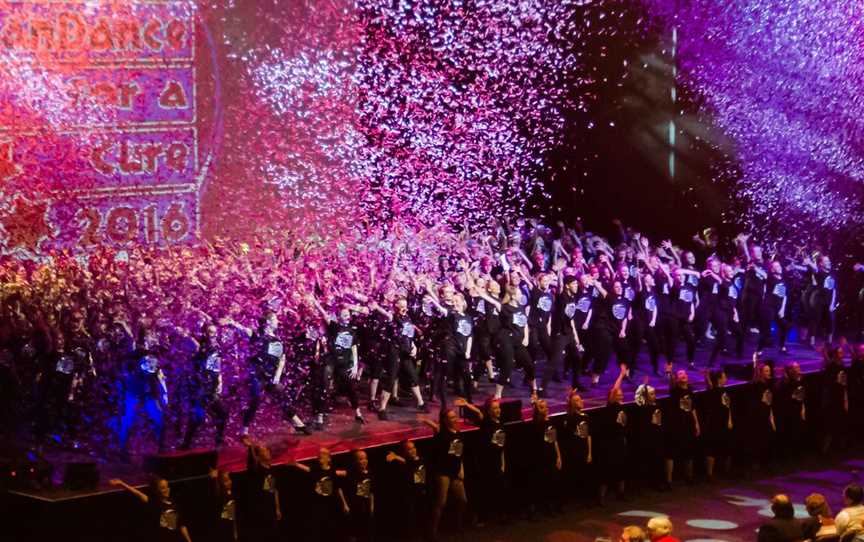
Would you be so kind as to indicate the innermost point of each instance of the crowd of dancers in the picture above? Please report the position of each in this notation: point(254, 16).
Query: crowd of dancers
point(177, 335)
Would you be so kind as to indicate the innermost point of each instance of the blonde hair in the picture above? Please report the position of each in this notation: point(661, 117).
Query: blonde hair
point(659, 527)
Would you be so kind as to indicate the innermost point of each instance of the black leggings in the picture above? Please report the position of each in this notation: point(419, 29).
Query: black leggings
point(512, 351)
point(675, 328)
point(400, 363)
point(218, 413)
point(563, 350)
point(768, 315)
point(456, 363)
point(601, 349)
point(723, 323)
point(638, 329)
point(257, 387)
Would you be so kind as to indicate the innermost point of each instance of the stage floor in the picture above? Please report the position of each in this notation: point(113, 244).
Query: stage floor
point(342, 433)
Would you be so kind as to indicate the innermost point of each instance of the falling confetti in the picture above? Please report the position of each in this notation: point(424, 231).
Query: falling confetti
point(784, 80)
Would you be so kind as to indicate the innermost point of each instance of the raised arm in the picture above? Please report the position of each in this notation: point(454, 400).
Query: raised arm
point(116, 482)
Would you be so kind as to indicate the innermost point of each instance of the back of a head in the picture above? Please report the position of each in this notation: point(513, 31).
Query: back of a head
point(782, 507)
point(633, 533)
point(817, 506)
point(854, 494)
point(659, 527)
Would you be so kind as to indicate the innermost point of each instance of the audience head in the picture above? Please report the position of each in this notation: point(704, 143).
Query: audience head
point(817, 506)
point(632, 533)
point(853, 495)
point(658, 527)
point(782, 507)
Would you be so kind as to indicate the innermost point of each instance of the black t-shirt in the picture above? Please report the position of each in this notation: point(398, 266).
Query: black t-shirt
point(577, 429)
point(679, 416)
point(493, 440)
point(619, 309)
point(402, 333)
point(545, 437)
point(208, 367)
point(541, 307)
point(164, 520)
point(728, 296)
point(762, 406)
point(447, 451)
point(492, 320)
point(775, 293)
point(565, 312)
point(268, 349)
point(709, 289)
point(460, 330)
point(514, 320)
point(645, 305)
point(144, 376)
point(683, 298)
point(359, 490)
point(341, 338)
point(717, 409)
point(754, 280)
point(324, 485)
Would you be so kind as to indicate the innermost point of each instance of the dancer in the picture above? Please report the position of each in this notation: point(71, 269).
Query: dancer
point(401, 355)
point(681, 425)
point(206, 389)
point(144, 386)
point(342, 344)
point(263, 510)
point(326, 506)
point(718, 436)
point(447, 469)
point(267, 366)
point(571, 317)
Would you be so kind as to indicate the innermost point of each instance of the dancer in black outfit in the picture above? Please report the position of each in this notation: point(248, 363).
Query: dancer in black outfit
point(681, 427)
point(342, 345)
point(611, 441)
point(222, 524)
point(540, 306)
point(709, 290)
point(570, 318)
point(263, 510)
point(165, 522)
point(762, 424)
point(325, 509)
point(358, 499)
point(822, 300)
point(401, 354)
point(717, 426)
point(61, 387)
point(835, 399)
point(773, 309)
point(492, 465)
point(684, 302)
point(648, 435)
point(792, 410)
point(513, 339)
point(206, 390)
point(644, 324)
point(544, 459)
point(577, 444)
point(726, 318)
point(447, 468)
point(267, 367)
point(620, 330)
point(410, 493)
